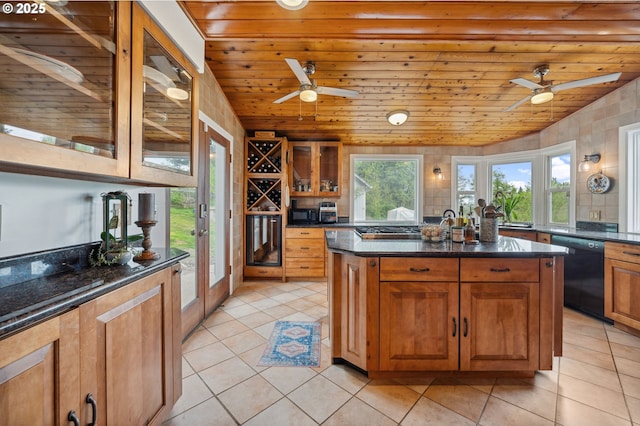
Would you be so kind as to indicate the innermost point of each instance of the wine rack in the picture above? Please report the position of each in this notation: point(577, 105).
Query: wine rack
point(265, 176)
point(265, 181)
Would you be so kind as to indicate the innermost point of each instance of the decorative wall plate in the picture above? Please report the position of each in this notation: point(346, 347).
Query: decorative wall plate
point(598, 183)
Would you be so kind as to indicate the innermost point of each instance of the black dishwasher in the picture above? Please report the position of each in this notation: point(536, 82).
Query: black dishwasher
point(583, 275)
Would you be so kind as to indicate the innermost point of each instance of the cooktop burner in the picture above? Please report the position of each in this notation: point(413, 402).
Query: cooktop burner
point(388, 232)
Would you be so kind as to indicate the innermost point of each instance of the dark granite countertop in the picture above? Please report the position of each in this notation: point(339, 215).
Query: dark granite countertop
point(620, 237)
point(347, 241)
point(64, 281)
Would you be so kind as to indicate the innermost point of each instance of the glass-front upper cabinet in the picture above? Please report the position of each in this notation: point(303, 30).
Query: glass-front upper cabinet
point(164, 97)
point(316, 169)
point(65, 89)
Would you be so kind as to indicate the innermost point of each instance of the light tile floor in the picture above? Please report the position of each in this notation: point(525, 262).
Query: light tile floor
point(596, 382)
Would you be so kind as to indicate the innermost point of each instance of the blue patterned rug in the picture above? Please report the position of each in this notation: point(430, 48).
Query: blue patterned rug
point(293, 344)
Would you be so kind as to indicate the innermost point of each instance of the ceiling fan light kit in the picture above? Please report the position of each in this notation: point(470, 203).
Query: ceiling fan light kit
point(544, 90)
point(292, 4)
point(398, 117)
point(544, 95)
point(309, 91)
point(307, 94)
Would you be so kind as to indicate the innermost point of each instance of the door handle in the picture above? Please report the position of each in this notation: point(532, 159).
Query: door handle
point(203, 232)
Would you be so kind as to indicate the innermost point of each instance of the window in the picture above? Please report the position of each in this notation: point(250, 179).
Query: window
point(558, 188)
point(466, 187)
point(386, 188)
point(511, 190)
point(629, 181)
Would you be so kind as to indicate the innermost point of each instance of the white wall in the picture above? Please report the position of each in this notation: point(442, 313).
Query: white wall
point(43, 213)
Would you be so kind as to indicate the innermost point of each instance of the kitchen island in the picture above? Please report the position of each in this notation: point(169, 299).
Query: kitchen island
point(409, 308)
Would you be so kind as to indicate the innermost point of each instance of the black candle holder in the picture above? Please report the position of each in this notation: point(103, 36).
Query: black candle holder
point(146, 254)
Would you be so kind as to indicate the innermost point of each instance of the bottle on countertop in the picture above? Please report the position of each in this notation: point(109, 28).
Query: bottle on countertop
point(469, 230)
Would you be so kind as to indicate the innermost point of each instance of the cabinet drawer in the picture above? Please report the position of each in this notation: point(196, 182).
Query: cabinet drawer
point(304, 267)
point(499, 270)
point(305, 233)
point(624, 252)
point(418, 269)
point(305, 247)
point(543, 237)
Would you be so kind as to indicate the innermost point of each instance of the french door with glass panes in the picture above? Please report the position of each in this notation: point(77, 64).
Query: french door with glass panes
point(200, 226)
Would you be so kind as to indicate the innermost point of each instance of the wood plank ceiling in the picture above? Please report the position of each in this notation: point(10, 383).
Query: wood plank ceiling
point(447, 62)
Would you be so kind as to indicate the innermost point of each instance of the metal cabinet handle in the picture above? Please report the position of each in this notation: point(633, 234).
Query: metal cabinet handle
point(455, 326)
point(73, 418)
point(499, 270)
point(94, 409)
point(466, 327)
point(630, 253)
point(372, 263)
point(419, 269)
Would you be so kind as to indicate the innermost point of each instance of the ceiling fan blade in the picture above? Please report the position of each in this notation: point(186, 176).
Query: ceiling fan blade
point(333, 91)
point(298, 71)
point(526, 83)
point(287, 97)
point(586, 82)
point(517, 104)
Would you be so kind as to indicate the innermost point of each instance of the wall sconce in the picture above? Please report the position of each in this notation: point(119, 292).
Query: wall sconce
point(585, 165)
point(398, 117)
point(292, 4)
point(438, 172)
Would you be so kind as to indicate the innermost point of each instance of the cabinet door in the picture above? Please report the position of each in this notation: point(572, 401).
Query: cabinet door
point(500, 326)
point(127, 352)
point(622, 292)
point(419, 326)
point(303, 180)
point(330, 167)
point(164, 99)
point(39, 376)
point(66, 87)
point(355, 293)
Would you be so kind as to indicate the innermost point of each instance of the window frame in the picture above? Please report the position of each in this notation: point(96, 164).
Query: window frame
point(419, 185)
point(629, 181)
point(539, 171)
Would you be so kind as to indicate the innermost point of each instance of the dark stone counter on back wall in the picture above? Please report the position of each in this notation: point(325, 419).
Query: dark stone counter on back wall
point(38, 286)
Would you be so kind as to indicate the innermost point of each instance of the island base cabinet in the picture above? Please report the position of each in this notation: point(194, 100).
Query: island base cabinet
point(127, 346)
point(353, 294)
point(420, 326)
point(39, 382)
point(499, 327)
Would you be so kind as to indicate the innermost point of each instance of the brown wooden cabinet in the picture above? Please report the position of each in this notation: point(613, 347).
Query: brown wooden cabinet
point(622, 285)
point(315, 169)
point(39, 377)
point(127, 360)
point(164, 105)
point(445, 314)
point(354, 293)
point(91, 96)
point(543, 237)
point(419, 314)
point(121, 350)
point(265, 189)
point(304, 252)
point(66, 107)
point(517, 233)
point(499, 310)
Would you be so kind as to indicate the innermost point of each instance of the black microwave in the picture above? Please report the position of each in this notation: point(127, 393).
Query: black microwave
point(303, 215)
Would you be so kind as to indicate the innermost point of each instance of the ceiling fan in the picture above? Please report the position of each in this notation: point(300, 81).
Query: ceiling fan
point(543, 91)
point(308, 90)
